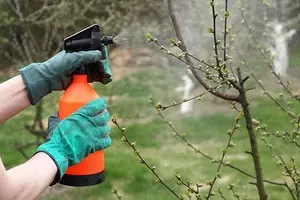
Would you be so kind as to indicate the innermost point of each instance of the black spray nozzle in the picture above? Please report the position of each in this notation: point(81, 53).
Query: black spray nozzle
point(106, 40)
point(89, 38)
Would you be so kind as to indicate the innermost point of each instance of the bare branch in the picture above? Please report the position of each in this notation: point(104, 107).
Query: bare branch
point(178, 44)
point(183, 101)
point(282, 163)
point(226, 15)
point(172, 54)
point(231, 188)
point(261, 51)
point(229, 144)
point(198, 151)
point(14, 9)
point(214, 32)
point(250, 68)
point(188, 60)
point(115, 192)
point(253, 141)
point(188, 186)
point(142, 160)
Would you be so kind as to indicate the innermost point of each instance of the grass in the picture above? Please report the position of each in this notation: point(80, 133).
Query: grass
point(294, 59)
point(157, 144)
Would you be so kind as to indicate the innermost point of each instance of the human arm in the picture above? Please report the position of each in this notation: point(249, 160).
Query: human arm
point(13, 98)
point(28, 180)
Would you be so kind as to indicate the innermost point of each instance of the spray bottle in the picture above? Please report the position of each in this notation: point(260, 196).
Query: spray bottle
point(90, 170)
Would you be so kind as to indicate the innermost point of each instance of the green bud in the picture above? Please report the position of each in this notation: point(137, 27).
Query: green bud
point(133, 144)
point(226, 14)
point(149, 37)
point(231, 144)
point(114, 119)
point(255, 122)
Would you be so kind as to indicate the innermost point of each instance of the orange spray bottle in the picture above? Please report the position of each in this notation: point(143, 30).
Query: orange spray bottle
point(90, 170)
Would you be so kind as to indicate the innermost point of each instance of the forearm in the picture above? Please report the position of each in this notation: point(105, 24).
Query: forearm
point(13, 98)
point(29, 180)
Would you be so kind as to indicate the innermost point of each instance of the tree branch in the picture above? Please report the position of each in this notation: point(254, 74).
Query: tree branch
point(291, 114)
point(226, 15)
point(183, 101)
point(229, 144)
point(198, 151)
point(261, 51)
point(115, 192)
point(176, 26)
point(142, 160)
point(282, 163)
point(253, 141)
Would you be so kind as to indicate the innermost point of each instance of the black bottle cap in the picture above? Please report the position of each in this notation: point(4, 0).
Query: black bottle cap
point(80, 71)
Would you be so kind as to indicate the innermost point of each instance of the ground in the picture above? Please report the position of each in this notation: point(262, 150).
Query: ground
point(206, 129)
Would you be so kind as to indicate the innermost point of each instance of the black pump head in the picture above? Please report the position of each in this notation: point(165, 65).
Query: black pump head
point(89, 38)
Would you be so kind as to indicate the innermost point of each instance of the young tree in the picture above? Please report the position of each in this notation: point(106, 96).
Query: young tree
point(213, 75)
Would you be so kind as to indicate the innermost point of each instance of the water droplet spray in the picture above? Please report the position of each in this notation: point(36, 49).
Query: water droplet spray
point(120, 40)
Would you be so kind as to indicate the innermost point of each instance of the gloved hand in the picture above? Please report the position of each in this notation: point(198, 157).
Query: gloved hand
point(100, 71)
point(55, 74)
point(72, 139)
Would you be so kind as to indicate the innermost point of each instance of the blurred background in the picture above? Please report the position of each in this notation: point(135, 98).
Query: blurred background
point(33, 31)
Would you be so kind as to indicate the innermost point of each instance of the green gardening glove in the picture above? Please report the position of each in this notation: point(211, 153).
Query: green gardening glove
point(55, 74)
point(72, 139)
point(100, 71)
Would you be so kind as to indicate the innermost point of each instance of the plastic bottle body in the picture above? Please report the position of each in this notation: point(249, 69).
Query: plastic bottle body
point(90, 170)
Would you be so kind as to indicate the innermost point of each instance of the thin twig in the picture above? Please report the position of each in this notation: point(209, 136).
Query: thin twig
point(198, 151)
point(177, 28)
point(142, 160)
point(221, 68)
point(14, 9)
point(187, 185)
point(178, 57)
point(235, 194)
point(284, 165)
point(214, 31)
point(291, 191)
point(290, 174)
point(264, 89)
point(226, 15)
point(179, 45)
point(183, 101)
point(115, 192)
point(265, 58)
point(221, 194)
point(229, 144)
point(199, 60)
